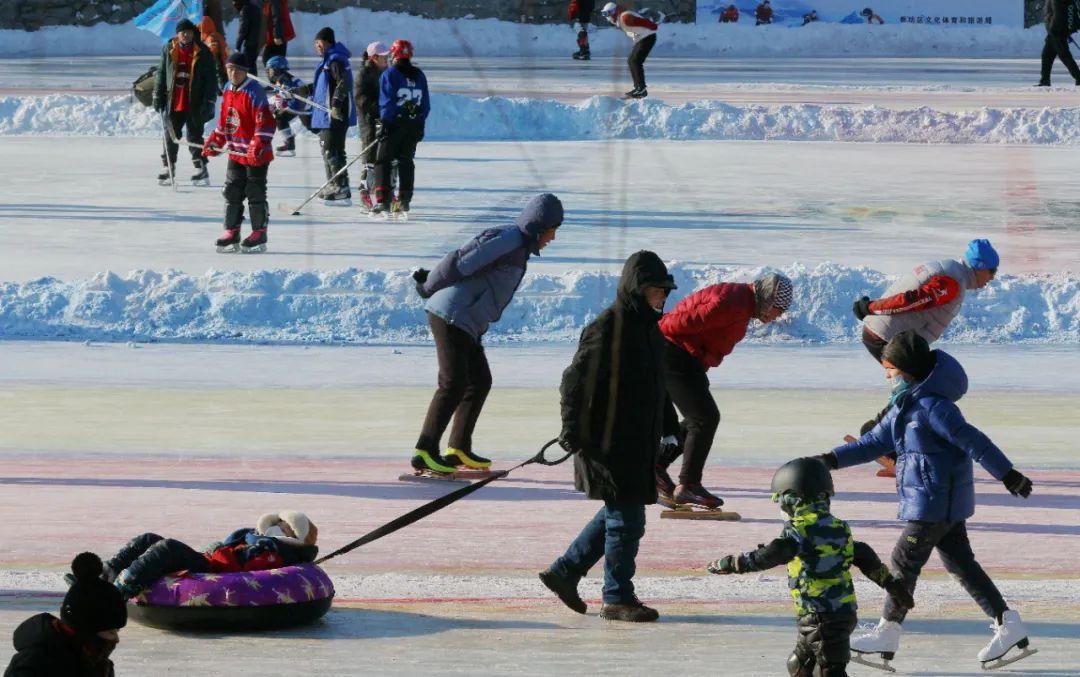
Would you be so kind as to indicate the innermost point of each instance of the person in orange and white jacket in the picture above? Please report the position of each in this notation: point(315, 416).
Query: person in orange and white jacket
point(643, 32)
point(245, 131)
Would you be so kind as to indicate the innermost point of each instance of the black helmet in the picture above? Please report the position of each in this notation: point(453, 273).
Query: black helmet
point(807, 478)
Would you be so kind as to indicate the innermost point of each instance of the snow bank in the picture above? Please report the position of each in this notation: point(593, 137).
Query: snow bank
point(460, 118)
point(379, 307)
point(490, 37)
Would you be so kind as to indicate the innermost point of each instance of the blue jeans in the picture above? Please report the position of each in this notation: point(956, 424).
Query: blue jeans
point(614, 534)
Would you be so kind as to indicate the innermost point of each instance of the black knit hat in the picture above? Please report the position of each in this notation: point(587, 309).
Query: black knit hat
point(92, 604)
point(326, 34)
point(184, 25)
point(909, 352)
point(238, 59)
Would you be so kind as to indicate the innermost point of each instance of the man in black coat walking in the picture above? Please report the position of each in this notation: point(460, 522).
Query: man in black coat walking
point(1059, 27)
point(613, 398)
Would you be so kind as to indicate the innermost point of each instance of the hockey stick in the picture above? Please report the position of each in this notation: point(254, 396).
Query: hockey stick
point(296, 212)
point(167, 134)
point(201, 146)
point(287, 92)
point(438, 504)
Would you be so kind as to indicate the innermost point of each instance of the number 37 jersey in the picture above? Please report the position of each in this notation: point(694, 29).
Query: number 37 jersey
point(403, 95)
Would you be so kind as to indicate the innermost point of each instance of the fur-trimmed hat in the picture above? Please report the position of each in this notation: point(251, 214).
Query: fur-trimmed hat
point(290, 526)
point(92, 604)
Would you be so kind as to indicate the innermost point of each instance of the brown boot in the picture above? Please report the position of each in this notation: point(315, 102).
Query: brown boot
point(633, 612)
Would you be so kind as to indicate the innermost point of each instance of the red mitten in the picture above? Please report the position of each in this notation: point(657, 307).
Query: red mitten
point(258, 150)
point(214, 144)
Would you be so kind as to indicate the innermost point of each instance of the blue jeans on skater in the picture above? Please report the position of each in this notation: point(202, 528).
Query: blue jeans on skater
point(614, 534)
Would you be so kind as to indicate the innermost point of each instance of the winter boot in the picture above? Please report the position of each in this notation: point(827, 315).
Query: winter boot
point(287, 148)
point(637, 93)
point(581, 55)
point(695, 494)
point(381, 210)
point(164, 178)
point(1043, 83)
point(460, 457)
point(565, 588)
point(255, 242)
point(425, 460)
point(633, 612)
point(338, 196)
point(665, 487)
point(201, 177)
point(883, 638)
point(229, 241)
point(1009, 631)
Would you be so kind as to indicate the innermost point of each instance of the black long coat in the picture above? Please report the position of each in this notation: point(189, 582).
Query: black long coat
point(613, 392)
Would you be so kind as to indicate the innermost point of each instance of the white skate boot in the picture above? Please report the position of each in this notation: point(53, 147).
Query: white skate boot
point(1011, 632)
point(882, 639)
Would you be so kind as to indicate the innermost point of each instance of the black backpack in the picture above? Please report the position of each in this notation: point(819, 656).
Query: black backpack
point(143, 87)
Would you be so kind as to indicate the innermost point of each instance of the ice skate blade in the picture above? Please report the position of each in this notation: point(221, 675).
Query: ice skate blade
point(1002, 661)
point(285, 153)
point(684, 512)
point(228, 249)
point(259, 248)
point(164, 183)
point(201, 182)
point(431, 477)
point(385, 216)
point(857, 657)
point(475, 473)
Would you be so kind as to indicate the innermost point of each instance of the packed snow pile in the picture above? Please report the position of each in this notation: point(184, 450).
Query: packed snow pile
point(376, 306)
point(494, 38)
point(456, 117)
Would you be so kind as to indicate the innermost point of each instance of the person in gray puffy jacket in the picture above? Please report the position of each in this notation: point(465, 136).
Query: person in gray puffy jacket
point(466, 292)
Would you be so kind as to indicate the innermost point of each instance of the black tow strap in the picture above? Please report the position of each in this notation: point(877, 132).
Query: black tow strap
point(438, 504)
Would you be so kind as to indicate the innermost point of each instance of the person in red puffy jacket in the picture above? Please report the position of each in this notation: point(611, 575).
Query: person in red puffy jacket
point(701, 331)
point(763, 13)
point(730, 15)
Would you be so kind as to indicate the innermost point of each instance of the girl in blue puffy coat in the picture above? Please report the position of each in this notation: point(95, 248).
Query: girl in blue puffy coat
point(935, 450)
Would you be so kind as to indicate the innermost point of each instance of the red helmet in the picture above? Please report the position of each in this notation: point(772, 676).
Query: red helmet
point(401, 49)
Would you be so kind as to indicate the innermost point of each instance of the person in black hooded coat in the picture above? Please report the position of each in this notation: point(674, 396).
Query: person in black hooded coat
point(613, 405)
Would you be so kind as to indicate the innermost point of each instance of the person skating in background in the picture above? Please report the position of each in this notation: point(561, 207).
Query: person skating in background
point(612, 399)
point(466, 292)
point(926, 301)
point(936, 485)
point(246, 131)
point(279, 29)
point(219, 47)
point(332, 90)
point(581, 14)
point(79, 643)
point(699, 332)
point(1060, 26)
point(810, 17)
point(249, 33)
point(404, 105)
point(819, 551)
point(730, 15)
point(277, 540)
point(871, 17)
point(285, 107)
point(376, 60)
point(643, 32)
point(185, 92)
point(763, 13)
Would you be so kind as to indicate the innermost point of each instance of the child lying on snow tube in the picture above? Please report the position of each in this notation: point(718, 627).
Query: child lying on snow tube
point(288, 589)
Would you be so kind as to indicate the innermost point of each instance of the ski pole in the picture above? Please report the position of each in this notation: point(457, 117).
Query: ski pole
point(166, 134)
point(285, 90)
point(417, 514)
point(296, 212)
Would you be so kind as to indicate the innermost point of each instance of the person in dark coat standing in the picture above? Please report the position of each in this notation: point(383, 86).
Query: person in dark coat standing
point(376, 59)
point(332, 87)
point(613, 398)
point(249, 36)
point(1058, 30)
point(77, 644)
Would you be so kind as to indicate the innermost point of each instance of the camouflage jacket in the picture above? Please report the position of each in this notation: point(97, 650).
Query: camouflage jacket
point(819, 551)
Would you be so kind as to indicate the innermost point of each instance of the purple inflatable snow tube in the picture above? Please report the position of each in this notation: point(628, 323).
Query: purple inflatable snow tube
point(249, 600)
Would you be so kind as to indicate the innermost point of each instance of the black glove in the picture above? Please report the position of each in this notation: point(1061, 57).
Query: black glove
point(829, 459)
point(899, 593)
point(566, 441)
point(724, 565)
point(861, 308)
point(381, 130)
point(420, 276)
point(1017, 484)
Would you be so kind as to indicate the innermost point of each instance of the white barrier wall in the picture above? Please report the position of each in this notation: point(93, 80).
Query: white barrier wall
point(972, 13)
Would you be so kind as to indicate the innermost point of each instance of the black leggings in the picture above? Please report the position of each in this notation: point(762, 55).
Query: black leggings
point(400, 145)
point(242, 181)
point(1057, 45)
point(688, 387)
point(913, 549)
point(464, 383)
point(178, 121)
point(824, 640)
point(638, 54)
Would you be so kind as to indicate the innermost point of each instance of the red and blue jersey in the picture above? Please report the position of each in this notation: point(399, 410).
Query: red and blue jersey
point(246, 122)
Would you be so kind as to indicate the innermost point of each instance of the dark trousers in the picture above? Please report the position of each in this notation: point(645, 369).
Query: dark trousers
point(638, 54)
point(951, 540)
point(148, 557)
point(1057, 45)
point(271, 50)
point(464, 383)
point(688, 386)
point(583, 37)
point(614, 534)
point(252, 58)
point(179, 121)
point(332, 142)
point(243, 182)
point(823, 641)
point(400, 145)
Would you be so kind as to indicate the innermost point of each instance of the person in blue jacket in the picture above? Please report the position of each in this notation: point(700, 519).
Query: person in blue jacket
point(404, 105)
point(935, 449)
point(333, 86)
point(466, 292)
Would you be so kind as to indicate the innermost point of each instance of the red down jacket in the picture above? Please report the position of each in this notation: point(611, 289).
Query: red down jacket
point(708, 323)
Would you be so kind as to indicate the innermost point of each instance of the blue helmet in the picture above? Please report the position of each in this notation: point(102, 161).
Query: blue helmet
point(277, 63)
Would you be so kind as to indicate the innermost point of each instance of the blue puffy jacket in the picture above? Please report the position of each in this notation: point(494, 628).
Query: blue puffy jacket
point(935, 448)
point(472, 285)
